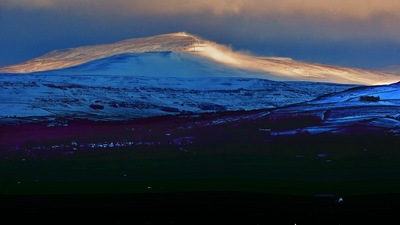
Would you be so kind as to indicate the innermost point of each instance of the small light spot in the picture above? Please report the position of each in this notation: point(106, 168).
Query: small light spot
point(149, 187)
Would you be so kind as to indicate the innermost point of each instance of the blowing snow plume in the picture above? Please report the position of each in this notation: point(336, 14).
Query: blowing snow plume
point(273, 68)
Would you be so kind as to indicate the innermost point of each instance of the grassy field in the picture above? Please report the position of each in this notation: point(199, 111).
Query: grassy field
point(227, 176)
point(349, 166)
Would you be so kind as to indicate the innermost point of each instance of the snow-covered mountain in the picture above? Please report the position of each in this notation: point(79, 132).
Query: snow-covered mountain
point(208, 56)
point(180, 73)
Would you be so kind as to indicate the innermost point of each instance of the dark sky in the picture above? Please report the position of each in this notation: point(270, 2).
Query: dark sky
point(357, 33)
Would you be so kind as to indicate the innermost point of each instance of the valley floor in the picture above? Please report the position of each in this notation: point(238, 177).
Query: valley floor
point(222, 167)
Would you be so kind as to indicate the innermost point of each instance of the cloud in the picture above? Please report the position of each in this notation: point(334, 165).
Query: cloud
point(29, 4)
point(325, 9)
point(356, 29)
point(367, 17)
point(336, 18)
point(312, 19)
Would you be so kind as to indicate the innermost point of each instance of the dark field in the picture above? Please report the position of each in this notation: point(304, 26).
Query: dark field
point(206, 169)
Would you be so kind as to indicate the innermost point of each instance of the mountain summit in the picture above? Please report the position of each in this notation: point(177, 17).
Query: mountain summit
point(205, 54)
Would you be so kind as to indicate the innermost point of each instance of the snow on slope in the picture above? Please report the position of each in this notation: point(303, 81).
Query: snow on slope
point(281, 68)
point(158, 64)
point(360, 109)
point(30, 97)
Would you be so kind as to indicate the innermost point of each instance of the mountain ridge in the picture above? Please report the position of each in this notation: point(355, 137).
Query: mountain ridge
point(64, 58)
point(280, 68)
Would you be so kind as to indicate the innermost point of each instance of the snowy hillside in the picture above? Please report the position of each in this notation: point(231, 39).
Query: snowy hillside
point(203, 52)
point(29, 97)
point(361, 109)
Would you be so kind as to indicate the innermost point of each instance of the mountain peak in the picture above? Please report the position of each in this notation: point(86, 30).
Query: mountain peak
point(182, 42)
point(180, 34)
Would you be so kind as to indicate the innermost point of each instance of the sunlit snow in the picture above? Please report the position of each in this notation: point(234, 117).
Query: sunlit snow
point(266, 67)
